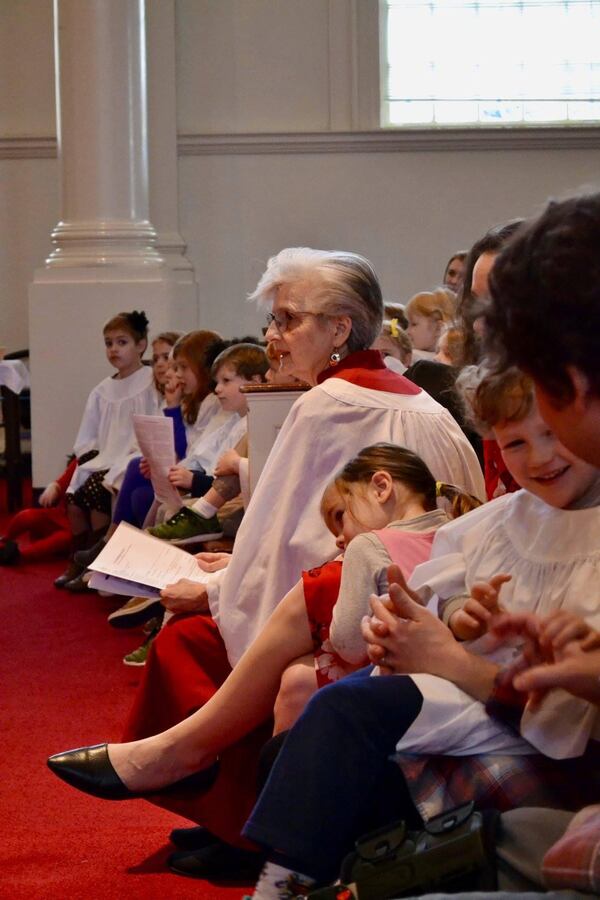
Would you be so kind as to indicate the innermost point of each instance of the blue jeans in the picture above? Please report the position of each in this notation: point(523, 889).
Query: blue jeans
point(333, 779)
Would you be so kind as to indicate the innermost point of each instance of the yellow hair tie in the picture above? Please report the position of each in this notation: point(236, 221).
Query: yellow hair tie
point(438, 488)
point(394, 328)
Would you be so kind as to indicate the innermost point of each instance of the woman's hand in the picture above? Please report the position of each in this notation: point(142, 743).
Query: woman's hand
point(180, 477)
point(228, 463)
point(50, 495)
point(212, 562)
point(473, 620)
point(185, 596)
point(145, 467)
point(409, 639)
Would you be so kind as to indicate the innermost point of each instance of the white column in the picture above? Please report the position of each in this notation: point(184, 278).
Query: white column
point(105, 258)
point(162, 135)
point(102, 135)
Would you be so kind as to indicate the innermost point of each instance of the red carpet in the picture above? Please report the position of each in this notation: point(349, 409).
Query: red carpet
point(63, 684)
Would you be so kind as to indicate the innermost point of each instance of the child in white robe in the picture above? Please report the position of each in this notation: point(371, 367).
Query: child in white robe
point(544, 537)
point(105, 441)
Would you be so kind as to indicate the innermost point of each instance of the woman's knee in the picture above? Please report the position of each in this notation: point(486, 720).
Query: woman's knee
point(298, 684)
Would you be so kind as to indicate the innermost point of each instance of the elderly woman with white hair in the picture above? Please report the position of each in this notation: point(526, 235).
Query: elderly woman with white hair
point(325, 312)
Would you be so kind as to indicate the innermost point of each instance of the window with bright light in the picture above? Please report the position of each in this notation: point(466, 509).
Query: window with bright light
point(491, 62)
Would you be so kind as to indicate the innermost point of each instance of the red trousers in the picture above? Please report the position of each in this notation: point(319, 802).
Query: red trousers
point(186, 666)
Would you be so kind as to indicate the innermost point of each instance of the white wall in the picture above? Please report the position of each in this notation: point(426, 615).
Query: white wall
point(262, 86)
point(28, 189)
point(407, 212)
point(258, 66)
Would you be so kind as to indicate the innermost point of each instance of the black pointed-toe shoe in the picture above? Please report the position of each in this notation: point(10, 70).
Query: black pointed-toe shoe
point(90, 770)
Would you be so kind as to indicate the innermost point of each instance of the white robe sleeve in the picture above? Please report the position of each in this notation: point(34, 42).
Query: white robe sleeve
point(88, 434)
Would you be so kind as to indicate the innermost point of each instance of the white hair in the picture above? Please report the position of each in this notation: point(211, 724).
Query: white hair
point(341, 284)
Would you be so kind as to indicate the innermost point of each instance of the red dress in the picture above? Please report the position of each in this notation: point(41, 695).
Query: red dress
point(322, 587)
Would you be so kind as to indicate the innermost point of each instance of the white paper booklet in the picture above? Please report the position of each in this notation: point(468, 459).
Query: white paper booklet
point(155, 436)
point(134, 563)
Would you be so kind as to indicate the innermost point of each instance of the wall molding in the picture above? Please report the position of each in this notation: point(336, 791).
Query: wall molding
point(392, 141)
point(28, 148)
point(388, 141)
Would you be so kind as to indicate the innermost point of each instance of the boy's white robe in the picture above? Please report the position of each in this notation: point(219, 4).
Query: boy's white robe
point(553, 556)
point(282, 532)
point(208, 448)
point(211, 416)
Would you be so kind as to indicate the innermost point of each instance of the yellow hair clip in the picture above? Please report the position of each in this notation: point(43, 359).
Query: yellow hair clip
point(394, 328)
point(438, 488)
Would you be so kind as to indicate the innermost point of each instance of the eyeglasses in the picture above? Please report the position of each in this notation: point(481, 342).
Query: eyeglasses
point(286, 321)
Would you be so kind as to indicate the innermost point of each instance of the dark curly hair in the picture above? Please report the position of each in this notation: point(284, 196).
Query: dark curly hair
point(469, 307)
point(545, 289)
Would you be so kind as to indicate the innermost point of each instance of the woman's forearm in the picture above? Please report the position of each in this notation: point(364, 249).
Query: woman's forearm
point(473, 674)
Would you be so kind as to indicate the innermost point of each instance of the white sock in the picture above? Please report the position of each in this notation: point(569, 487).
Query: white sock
point(204, 508)
point(278, 883)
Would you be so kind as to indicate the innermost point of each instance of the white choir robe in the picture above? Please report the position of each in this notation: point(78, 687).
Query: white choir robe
point(107, 426)
point(282, 531)
point(211, 416)
point(209, 447)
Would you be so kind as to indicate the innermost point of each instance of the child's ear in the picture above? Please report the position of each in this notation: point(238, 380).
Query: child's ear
point(383, 485)
point(257, 379)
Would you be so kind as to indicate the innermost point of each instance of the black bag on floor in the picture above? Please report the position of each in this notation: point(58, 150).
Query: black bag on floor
point(453, 853)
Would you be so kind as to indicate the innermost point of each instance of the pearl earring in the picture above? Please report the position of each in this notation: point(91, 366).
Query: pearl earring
point(334, 358)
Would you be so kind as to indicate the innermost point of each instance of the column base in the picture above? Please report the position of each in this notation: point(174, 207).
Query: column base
point(107, 243)
point(67, 311)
